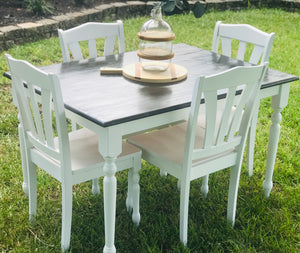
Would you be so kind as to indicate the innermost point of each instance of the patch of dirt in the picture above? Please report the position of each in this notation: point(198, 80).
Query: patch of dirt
point(13, 12)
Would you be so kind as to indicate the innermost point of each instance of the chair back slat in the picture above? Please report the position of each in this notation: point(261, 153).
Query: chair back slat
point(109, 45)
point(91, 31)
point(241, 50)
point(257, 52)
point(36, 115)
point(26, 116)
point(92, 49)
point(211, 106)
point(245, 34)
point(47, 116)
point(226, 46)
point(239, 109)
point(34, 106)
point(228, 132)
point(75, 51)
point(226, 116)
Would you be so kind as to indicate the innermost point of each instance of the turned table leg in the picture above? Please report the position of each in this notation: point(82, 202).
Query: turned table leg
point(110, 146)
point(109, 193)
point(278, 103)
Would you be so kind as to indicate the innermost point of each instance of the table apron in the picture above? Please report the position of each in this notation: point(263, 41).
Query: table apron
point(154, 122)
point(136, 126)
point(275, 90)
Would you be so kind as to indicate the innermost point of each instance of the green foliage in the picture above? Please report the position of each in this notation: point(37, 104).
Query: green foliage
point(171, 7)
point(40, 7)
point(262, 225)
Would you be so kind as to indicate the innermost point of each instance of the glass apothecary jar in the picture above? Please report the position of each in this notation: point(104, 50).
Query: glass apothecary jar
point(155, 52)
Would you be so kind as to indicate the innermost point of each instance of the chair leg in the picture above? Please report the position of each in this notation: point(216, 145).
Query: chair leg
point(74, 125)
point(204, 187)
point(129, 200)
point(233, 193)
point(95, 186)
point(66, 216)
point(32, 183)
point(24, 160)
point(136, 217)
point(184, 210)
point(251, 141)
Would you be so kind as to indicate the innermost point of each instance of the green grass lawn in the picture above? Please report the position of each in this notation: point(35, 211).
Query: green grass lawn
point(262, 225)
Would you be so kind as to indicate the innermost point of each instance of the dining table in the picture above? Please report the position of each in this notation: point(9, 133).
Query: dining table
point(116, 107)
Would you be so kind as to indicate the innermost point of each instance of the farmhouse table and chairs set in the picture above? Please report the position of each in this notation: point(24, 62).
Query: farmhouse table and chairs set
point(200, 123)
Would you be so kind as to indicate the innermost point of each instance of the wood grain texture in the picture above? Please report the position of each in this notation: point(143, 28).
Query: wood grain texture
point(108, 100)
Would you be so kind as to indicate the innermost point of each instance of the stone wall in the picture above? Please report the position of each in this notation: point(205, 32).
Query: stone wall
point(46, 28)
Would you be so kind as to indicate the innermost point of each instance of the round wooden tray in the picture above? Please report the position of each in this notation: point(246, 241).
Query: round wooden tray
point(156, 36)
point(136, 72)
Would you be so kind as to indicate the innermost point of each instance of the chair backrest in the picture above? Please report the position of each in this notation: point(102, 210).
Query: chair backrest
point(245, 34)
point(38, 110)
point(229, 131)
point(91, 31)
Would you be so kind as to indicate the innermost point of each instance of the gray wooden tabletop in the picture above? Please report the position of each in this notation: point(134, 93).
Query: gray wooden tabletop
point(112, 99)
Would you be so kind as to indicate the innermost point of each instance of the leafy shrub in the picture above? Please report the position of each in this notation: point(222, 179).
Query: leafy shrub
point(39, 7)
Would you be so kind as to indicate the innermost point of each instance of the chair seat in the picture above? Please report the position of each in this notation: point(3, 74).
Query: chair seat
point(162, 142)
point(86, 153)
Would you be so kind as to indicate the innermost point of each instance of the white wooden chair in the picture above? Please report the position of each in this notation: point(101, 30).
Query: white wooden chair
point(69, 40)
point(91, 31)
point(70, 158)
point(246, 36)
point(204, 145)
